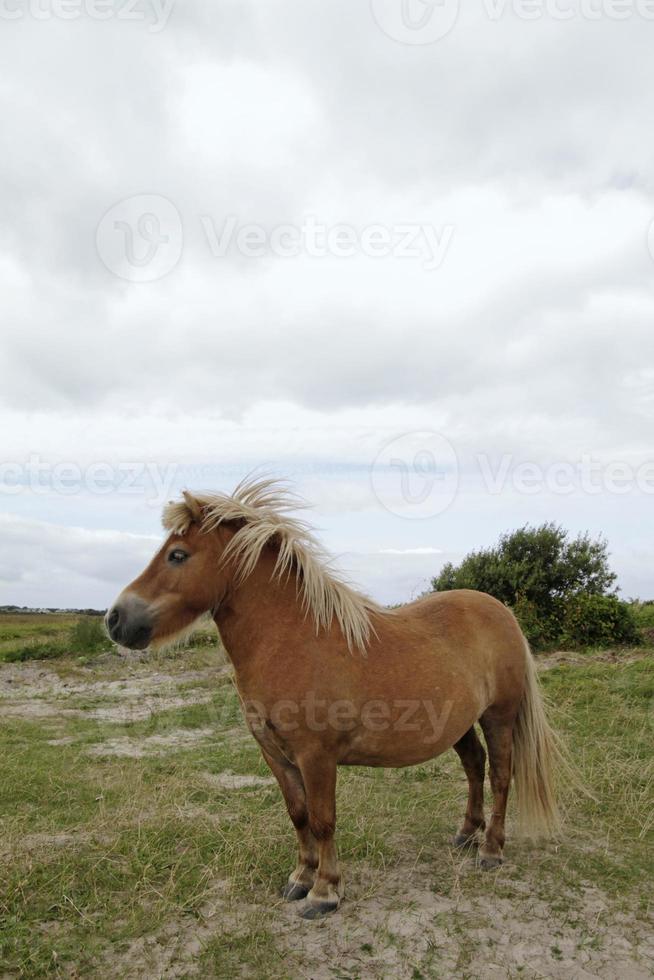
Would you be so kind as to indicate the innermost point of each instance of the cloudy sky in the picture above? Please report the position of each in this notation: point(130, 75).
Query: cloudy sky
point(395, 251)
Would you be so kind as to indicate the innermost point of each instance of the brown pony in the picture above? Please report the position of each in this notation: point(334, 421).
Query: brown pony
point(328, 678)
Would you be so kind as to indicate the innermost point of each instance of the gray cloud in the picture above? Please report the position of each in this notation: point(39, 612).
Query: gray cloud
point(533, 336)
point(49, 564)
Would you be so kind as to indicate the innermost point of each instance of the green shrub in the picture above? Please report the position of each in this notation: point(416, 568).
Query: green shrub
point(598, 620)
point(88, 635)
point(643, 612)
point(561, 589)
point(541, 630)
point(539, 564)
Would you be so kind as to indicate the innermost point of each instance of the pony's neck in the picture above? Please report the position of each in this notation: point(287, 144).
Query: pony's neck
point(260, 613)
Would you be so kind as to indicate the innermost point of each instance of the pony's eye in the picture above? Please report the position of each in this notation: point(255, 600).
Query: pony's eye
point(177, 556)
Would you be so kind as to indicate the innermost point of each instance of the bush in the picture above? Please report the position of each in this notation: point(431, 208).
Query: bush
point(88, 636)
point(643, 612)
point(598, 620)
point(542, 631)
point(539, 564)
point(561, 590)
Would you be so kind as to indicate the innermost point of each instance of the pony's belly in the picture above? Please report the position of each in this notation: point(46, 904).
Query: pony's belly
point(397, 748)
point(386, 758)
point(406, 731)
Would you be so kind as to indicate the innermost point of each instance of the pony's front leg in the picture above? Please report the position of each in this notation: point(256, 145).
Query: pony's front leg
point(290, 782)
point(319, 777)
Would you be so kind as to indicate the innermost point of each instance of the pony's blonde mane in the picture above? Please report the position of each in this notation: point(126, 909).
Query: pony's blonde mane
point(261, 506)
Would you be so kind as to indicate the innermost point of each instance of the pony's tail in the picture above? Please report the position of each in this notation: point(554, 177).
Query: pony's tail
point(538, 753)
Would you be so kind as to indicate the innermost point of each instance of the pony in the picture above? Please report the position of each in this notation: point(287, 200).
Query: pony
point(329, 678)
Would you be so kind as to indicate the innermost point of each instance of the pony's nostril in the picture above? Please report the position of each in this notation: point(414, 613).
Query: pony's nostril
point(112, 618)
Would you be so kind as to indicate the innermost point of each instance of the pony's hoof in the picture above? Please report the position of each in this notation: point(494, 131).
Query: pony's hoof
point(461, 841)
point(490, 862)
point(318, 909)
point(293, 892)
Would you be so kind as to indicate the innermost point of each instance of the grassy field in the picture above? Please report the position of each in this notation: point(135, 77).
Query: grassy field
point(33, 633)
point(143, 837)
point(49, 636)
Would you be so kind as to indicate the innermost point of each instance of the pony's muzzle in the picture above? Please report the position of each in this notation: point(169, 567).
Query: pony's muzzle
point(129, 622)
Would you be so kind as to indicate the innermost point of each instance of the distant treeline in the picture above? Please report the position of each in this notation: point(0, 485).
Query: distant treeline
point(52, 609)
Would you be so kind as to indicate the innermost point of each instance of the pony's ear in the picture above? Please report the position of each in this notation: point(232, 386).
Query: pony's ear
point(194, 507)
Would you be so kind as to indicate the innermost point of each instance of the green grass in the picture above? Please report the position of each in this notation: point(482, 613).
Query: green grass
point(41, 635)
point(608, 715)
point(29, 626)
point(150, 843)
point(48, 636)
point(51, 636)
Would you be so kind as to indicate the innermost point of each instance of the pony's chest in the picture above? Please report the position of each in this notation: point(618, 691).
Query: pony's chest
point(272, 739)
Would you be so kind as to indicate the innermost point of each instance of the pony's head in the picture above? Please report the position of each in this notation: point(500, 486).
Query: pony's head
point(215, 542)
point(185, 579)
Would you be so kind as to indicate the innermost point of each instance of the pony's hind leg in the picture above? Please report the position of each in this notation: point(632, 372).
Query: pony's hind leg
point(473, 758)
point(497, 725)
